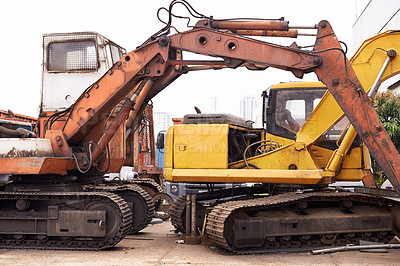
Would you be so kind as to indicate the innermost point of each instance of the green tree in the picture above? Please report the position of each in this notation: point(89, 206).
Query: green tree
point(387, 105)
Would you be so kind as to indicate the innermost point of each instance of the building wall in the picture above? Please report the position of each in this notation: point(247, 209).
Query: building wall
point(250, 109)
point(378, 16)
point(211, 105)
point(162, 121)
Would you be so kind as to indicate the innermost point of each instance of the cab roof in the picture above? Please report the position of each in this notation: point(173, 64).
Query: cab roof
point(302, 84)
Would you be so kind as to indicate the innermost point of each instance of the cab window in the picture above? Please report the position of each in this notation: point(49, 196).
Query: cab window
point(77, 55)
point(295, 106)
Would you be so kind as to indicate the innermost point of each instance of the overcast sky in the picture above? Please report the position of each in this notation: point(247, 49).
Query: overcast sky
point(130, 23)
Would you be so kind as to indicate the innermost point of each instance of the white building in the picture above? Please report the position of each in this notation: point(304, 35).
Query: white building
point(162, 121)
point(377, 16)
point(250, 109)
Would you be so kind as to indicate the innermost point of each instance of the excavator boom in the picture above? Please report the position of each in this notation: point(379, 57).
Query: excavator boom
point(150, 62)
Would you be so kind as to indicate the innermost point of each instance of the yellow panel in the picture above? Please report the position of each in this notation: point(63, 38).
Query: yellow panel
point(367, 158)
point(369, 58)
point(350, 175)
point(168, 174)
point(352, 165)
point(281, 140)
point(249, 175)
point(301, 84)
point(354, 159)
point(282, 158)
point(168, 149)
point(321, 157)
point(200, 146)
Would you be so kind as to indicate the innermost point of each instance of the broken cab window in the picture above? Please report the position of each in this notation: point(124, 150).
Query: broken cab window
point(72, 56)
point(115, 53)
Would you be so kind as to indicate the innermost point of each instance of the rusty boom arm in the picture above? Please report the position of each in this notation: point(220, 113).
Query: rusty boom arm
point(150, 68)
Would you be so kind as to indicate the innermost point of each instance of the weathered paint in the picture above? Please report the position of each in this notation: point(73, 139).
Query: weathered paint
point(25, 147)
point(35, 165)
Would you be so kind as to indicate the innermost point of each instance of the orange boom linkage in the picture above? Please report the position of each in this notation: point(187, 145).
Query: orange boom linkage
point(150, 68)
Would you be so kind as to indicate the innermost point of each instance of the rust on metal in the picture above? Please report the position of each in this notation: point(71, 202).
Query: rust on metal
point(246, 50)
point(36, 165)
point(9, 115)
point(250, 25)
point(118, 120)
point(197, 62)
point(338, 75)
point(291, 33)
point(58, 143)
point(159, 59)
point(112, 89)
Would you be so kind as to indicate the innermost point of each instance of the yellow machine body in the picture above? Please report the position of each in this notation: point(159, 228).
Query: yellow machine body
point(200, 153)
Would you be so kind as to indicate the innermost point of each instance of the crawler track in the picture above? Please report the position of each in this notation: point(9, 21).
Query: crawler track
point(29, 229)
point(226, 220)
point(139, 201)
point(177, 210)
point(147, 184)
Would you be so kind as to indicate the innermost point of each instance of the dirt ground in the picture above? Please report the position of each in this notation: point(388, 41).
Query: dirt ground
point(156, 245)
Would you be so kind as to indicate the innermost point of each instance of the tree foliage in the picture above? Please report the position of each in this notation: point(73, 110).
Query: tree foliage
point(387, 106)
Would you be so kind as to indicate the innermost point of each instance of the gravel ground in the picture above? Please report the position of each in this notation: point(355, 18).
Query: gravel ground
point(156, 245)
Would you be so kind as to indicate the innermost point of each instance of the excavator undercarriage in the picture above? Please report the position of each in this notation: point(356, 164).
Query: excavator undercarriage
point(300, 221)
point(63, 220)
point(246, 220)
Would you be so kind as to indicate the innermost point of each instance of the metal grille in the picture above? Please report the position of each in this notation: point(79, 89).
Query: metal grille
point(67, 53)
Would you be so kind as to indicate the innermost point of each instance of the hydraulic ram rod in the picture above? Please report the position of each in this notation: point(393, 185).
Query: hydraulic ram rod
point(291, 33)
point(339, 155)
point(250, 25)
point(139, 97)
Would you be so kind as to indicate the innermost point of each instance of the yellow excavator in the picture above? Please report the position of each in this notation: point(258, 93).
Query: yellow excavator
point(306, 144)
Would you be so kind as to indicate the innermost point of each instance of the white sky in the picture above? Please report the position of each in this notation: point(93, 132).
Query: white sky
point(130, 23)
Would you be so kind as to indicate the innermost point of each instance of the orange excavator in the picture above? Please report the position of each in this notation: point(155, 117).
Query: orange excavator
point(44, 204)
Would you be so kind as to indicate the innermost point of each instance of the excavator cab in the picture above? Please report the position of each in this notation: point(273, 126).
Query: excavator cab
point(71, 63)
point(288, 105)
point(286, 108)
